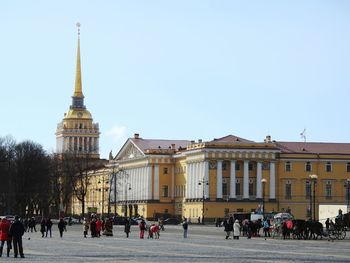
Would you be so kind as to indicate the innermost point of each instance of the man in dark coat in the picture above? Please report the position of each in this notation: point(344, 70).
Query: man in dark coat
point(17, 231)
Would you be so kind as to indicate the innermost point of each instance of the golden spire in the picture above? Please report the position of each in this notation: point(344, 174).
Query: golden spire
point(78, 91)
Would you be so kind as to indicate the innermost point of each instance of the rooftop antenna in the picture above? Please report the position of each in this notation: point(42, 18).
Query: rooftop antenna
point(303, 134)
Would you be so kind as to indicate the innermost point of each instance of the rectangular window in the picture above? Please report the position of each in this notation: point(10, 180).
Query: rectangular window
point(288, 167)
point(251, 188)
point(238, 188)
point(165, 170)
point(308, 167)
point(224, 166)
point(288, 190)
point(166, 211)
point(328, 167)
point(238, 167)
point(250, 166)
point(328, 190)
point(165, 191)
point(224, 189)
point(308, 190)
point(348, 167)
point(265, 166)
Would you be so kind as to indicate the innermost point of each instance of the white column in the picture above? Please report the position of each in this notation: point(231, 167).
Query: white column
point(173, 182)
point(149, 183)
point(156, 183)
point(197, 173)
point(258, 180)
point(187, 194)
point(233, 180)
point(142, 183)
point(246, 180)
point(219, 180)
point(206, 178)
point(188, 181)
point(91, 146)
point(193, 181)
point(272, 181)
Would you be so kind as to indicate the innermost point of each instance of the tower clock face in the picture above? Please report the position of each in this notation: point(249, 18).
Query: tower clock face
point(80, 114)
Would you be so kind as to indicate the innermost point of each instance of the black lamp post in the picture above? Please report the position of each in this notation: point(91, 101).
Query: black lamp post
point(263, 181)
point(203, 182)
point(313, 178)
point(127, 187)
point(347, 185)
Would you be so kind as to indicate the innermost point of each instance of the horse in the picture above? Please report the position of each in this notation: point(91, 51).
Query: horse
point(153, 230)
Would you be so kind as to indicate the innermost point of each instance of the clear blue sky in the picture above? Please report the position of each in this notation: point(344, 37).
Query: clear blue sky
point(178, 69)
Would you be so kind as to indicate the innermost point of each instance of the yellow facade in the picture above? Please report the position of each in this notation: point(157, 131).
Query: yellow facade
point(172, 180)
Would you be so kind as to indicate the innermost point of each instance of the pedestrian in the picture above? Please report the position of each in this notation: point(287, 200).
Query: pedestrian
point(185, 227)
point(32, 224)
point(227, 228)
point(327, 224)
point(61, 227)
point(199, 220)
point(142, 227)
point(236, 229)
point(86, 226)
point(266, 226)
point(93, 227)
point(249, 229)
point(108, 227)
point(127, 227)
point(17, 231)
point(49, 227)
point(26, 225)
point(98, 227)
point(5, 236)
point(43, 227)
point(284, 229)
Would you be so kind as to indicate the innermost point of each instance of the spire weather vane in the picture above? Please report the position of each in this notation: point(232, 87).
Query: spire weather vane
point(78, 26)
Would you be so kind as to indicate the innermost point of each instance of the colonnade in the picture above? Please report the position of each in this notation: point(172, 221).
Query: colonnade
point(199, 172)
point(81, 144)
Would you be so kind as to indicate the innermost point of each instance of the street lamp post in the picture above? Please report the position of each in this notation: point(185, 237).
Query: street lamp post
point(313, 178)
point(347, 185)
point(127, 187)
point(263, 181)
point(203, 182)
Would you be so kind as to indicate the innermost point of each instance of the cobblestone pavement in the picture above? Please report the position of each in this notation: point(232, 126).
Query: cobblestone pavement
point(204, 244)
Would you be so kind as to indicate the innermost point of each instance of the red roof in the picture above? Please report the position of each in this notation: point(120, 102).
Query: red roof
point(148, 144)
point(314, 147)
point(231, 139)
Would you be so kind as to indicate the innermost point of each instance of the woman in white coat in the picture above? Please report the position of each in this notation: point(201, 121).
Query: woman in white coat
point(236, 229)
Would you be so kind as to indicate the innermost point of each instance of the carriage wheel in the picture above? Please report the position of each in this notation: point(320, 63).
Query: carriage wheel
point(332, 235)
point(341, 234)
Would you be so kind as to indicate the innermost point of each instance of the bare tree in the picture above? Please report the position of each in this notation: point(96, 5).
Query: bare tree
point(79, 167)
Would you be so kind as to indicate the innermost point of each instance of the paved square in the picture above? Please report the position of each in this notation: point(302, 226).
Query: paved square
point(204, 244)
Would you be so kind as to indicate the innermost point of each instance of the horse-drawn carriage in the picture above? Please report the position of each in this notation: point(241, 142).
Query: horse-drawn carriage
point(338, 229)
point(277, 223)
point(309, 229)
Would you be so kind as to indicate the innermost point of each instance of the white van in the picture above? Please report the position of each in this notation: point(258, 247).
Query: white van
point(256, 217)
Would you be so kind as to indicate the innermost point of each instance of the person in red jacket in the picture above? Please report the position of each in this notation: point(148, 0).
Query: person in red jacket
point(98, 227)
point(4, 236)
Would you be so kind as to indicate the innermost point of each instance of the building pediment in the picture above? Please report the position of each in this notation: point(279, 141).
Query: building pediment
point(129, 151)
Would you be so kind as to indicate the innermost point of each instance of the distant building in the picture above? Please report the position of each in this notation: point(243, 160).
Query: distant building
point(77, 133)
point(157, 178)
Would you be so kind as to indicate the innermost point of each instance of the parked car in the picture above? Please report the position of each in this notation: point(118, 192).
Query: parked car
point(171, 221)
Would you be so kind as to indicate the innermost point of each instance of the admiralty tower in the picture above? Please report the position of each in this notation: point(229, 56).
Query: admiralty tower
point(77, 133)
